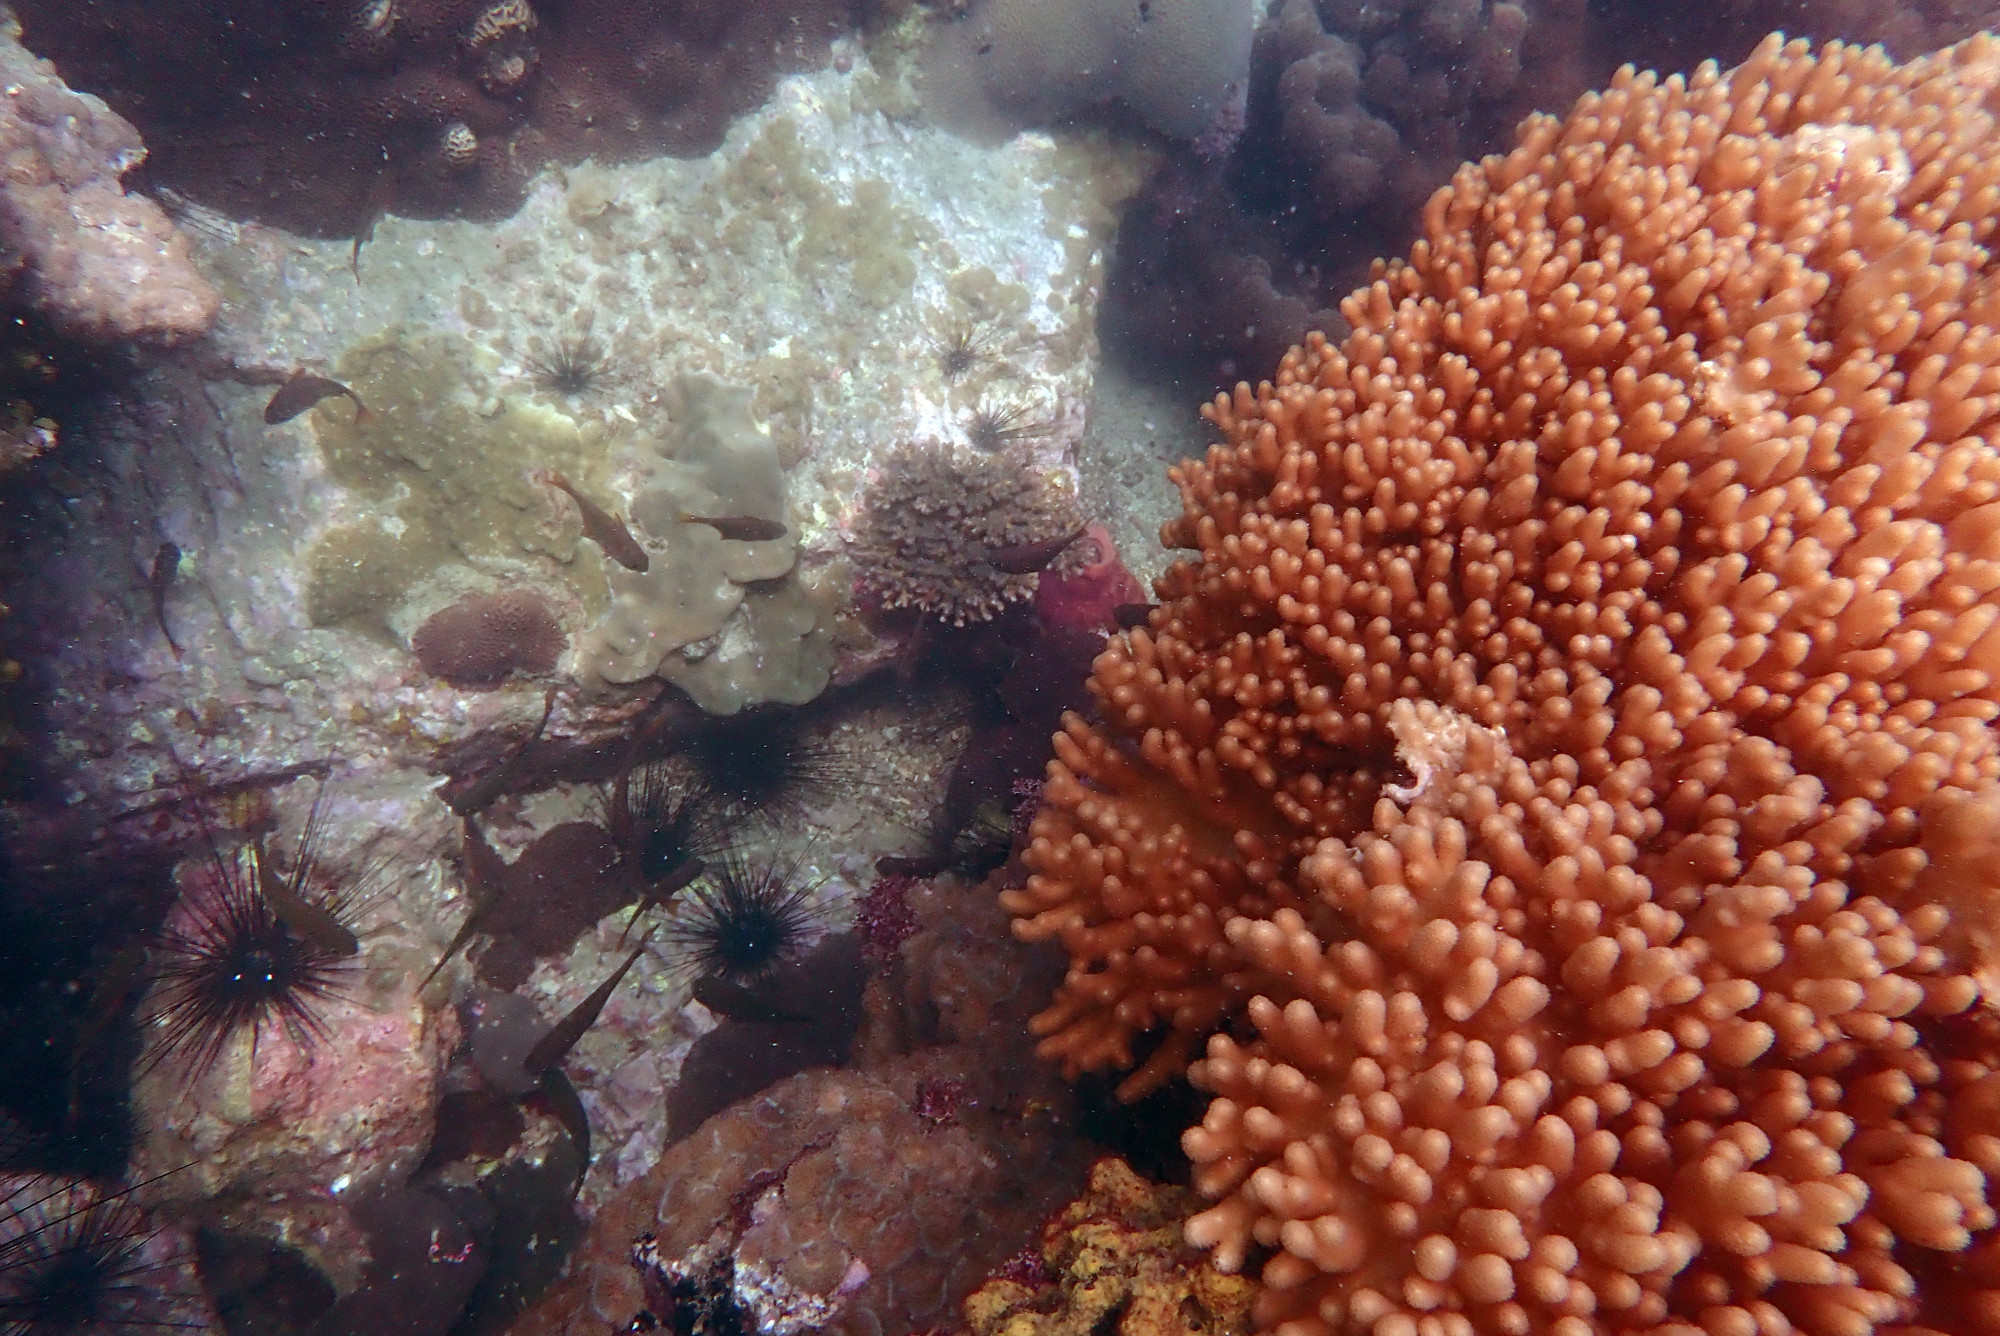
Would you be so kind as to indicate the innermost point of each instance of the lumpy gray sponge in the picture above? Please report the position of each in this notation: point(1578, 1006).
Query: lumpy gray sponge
point(1176, 64)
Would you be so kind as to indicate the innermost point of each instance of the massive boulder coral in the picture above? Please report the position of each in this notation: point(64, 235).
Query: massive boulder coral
point(315, 117)
point(1562, 764)
point(99, 263)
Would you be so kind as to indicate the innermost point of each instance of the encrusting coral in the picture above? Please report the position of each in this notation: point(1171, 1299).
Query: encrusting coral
point(1566, 760)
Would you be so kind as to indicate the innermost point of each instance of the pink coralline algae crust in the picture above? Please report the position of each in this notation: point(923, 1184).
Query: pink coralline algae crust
point(1087, 597)
point(884, 918)
point(99, 263)
point(826, 1202)
point(481, 639)
point(356, 1104)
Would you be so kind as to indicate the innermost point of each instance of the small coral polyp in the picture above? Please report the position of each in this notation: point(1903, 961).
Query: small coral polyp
point(1551, 811)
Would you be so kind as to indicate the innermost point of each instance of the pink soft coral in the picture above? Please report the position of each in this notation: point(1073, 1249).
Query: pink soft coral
point(1087, 599)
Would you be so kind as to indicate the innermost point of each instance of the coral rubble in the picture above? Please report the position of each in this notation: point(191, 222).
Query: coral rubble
point(1118, 1263)
point(102, 265)
point(1558, 765)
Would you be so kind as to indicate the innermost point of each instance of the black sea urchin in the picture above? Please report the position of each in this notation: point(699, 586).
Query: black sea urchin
point(990, 427)
point(661, 820)
point(574, 363)
point(74, 1260)
point(763, 761)
point(963, 347)
point(253, 948)
point(751, 916)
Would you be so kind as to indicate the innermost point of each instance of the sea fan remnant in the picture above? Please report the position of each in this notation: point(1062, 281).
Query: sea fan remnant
point(482, 638)
point(933, 514)
point(101, 264)
point(1560, 761)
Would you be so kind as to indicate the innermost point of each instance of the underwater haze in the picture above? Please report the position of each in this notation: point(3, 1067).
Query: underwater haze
point(1000, 667)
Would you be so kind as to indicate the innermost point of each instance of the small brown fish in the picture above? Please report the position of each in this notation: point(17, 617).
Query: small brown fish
point(554, 1046)
point(1022, 558)
point(483, 873)
point(467, 796)
point(166, 565)
point(733, 1001)
point(122, 977)
point(1130, 615)
point(664, 890)
point(568, 1109)
point(311, 922)
point(739, 528)
point(605, 529)
point(302, 391)
point(373, 209)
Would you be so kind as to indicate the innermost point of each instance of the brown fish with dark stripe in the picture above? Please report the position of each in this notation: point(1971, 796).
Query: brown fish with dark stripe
point(160, 580)
point(1022, 558)
point(606, 530)
point(739, 528)
point(302, 391)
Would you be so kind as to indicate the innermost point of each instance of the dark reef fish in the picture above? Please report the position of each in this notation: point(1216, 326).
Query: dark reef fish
point(373, 209)
point(739, 528)
point(160, 580)
point(315, 923)
point(1022, 558)
point(554, 1046)
point(302, 390)
point(605, 529)
point(483, 873)
point(562, 1100)
point(733, 1001)
point(1131, 615)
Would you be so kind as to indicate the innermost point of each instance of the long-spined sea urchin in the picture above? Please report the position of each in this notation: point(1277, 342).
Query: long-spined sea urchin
point(752, 915)
point(764, 761)
point(78, 1260)
point(256, 948)
point(574, 363)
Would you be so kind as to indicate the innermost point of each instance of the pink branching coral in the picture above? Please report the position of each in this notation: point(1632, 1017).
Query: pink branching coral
point(1567, 759)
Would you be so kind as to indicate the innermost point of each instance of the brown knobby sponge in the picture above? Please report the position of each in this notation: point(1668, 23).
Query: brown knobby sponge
point(482, 638)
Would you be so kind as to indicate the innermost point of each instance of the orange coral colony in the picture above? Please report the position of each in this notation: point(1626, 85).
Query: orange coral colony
point(1565, 775)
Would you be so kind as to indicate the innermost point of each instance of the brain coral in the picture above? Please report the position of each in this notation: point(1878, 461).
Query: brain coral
point(1567, 761)
point(482, 638)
